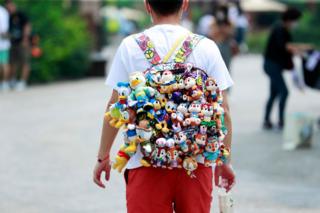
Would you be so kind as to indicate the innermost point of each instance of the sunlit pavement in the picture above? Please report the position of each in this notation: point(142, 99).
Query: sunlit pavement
point(50, 135)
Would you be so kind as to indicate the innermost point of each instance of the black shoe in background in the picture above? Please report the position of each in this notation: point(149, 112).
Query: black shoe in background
point(267, 125)
point(280, 126)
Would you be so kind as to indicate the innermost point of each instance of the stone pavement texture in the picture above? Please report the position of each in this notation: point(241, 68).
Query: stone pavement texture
point(50, 135)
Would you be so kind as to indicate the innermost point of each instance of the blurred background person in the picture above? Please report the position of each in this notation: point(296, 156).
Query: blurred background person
point(19, 30)
point(4, 48)
point(204, 24)
point(222, 32)
point(277, 58)
point(240, 22)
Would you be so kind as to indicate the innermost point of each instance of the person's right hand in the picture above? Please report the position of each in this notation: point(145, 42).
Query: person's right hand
point(103, 166)
point(224, 176)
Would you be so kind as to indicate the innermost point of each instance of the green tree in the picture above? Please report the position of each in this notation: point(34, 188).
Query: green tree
point(64, 40)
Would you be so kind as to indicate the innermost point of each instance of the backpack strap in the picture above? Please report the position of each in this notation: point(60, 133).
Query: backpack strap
point(186, 49)
point(174, 47)
point(147, 48)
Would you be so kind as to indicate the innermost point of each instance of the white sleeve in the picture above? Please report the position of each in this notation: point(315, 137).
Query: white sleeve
point(118, 70)
point(5, 22)
point(215, 65)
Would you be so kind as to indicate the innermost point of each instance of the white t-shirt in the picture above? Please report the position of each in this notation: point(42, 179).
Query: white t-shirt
point(130, 58)
point(4, 27)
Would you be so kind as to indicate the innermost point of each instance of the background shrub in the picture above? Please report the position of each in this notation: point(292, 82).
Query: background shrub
point(64, 40)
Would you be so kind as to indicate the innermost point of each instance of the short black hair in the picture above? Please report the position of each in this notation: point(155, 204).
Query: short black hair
point(165, 7)
point(291, 14)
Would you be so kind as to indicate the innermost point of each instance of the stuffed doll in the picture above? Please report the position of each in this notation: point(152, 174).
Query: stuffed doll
point(190, 164)
point(141, 94)
point(173, 155)
point(159, 156)
point(124, 91)
point(201, 140)
point(211, 153)
point(132, 137)
point(144, 134)
point(180, 139)
point(194, 109)
point(181, 113)
point(124, 155)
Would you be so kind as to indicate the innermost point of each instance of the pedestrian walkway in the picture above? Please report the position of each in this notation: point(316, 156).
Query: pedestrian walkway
point(50, 135)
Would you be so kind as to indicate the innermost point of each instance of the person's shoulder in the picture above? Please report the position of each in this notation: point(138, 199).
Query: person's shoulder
point(206, 45)
point(129, 41)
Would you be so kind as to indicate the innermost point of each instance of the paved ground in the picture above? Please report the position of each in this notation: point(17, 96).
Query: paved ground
point(50, 134)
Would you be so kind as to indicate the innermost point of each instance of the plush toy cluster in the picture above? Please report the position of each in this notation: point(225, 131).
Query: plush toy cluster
point(175, 114)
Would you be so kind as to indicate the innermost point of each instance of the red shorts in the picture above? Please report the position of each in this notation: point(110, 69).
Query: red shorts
point(156, 190)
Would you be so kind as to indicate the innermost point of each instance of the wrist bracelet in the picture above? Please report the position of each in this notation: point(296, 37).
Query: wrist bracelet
point(105, 158)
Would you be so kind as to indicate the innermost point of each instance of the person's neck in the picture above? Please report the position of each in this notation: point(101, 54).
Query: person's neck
point(173, 20)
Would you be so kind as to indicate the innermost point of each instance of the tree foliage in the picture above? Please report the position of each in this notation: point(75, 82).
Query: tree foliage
point(64, 40)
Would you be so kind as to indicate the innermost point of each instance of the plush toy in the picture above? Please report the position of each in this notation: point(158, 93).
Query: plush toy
point(190, 83)
point(141, 94)
point(176, 97)
point(117, 112)
point(203, 129)
point(132, 137)
point(121, 160)
point(162, 126)
point(117, 117)
point(163, 100)
point(171, 107)
point(201, 140)
point(211, 153)
point(181, 113)
point(190, 164)
point(180, 84)
point(211, 89)
point(159, 157)
point(194, 149)
point(173, 155)
point(168, 83)
point(194, 109)
point(123, 156)
point(224, 153)
point(207, 112)
point(153, 78)
point(193, 91)
point(176, 127)
point(124, 91)
point(180, 139)
point(144, 135)
point(167, 77)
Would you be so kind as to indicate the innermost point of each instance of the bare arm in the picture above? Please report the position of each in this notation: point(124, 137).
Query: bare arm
point(298, 48)
point(26, 33)
point(108, 132)
point(225, 171)
point(228, 122)
point(107, 137)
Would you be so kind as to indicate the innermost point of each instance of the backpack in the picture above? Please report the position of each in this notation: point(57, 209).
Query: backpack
point(172, 111)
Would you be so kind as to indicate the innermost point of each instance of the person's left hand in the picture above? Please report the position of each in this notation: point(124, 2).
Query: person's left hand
point(103, 166)
point(224, 176)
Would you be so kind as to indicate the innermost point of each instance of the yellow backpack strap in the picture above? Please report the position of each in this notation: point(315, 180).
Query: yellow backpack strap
point(174, 47)
point(186, 49)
